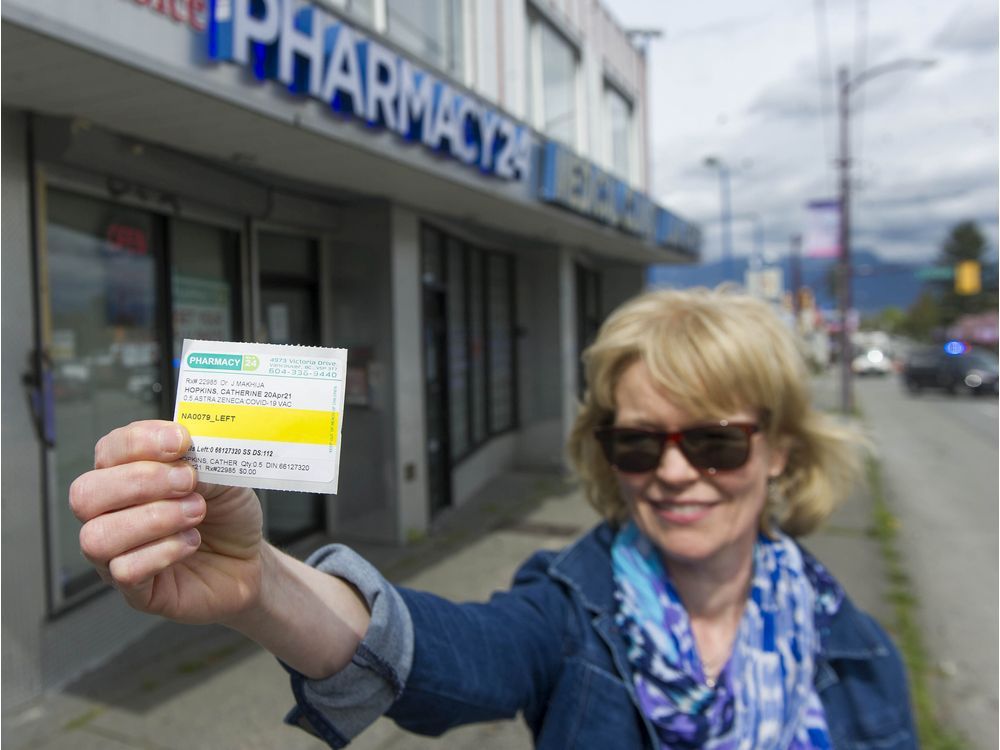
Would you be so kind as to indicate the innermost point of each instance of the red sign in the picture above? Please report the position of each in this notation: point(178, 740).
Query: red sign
point(192, 12)
point(130, 239)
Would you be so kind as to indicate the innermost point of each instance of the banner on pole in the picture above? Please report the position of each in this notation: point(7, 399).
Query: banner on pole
point(821, 238)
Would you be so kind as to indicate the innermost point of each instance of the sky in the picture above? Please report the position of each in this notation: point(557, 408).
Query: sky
point(754, 85)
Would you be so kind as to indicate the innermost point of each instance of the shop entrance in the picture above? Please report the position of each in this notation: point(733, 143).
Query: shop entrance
point(120, 288)
point(290, 310)
point(436, 398)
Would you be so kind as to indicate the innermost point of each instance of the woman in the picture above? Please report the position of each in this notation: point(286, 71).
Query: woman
point(688, 619)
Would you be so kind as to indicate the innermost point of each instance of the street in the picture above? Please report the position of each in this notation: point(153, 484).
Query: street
point(939, 457)
point(206, 687)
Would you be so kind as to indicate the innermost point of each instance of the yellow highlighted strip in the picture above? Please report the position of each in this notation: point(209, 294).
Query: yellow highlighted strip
point(259, 423)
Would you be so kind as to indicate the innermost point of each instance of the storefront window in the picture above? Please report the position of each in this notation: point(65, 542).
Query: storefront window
point(501, 330)
point(430, 29)
point(100, 326)
point(477, 285)
point(477, 346)
point(289, 300)
point(204, 284)
point(588, 315)
point(458, 351)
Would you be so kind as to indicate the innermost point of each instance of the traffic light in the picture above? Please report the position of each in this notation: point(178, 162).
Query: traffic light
point(968, 279)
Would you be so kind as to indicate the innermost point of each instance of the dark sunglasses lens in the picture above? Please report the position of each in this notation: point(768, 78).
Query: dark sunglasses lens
point(717, 447)
point(633, 450)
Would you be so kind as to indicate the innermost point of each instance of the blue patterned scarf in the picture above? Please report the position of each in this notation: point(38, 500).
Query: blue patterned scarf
point(764, 697)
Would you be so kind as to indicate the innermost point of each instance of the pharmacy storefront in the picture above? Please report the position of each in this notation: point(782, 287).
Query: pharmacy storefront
point(279, 172)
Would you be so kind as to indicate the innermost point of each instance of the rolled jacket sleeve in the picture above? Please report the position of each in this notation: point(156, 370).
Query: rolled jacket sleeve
point(339, 707)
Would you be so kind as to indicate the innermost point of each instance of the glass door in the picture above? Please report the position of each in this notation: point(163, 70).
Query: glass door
point(101, 298)
point(289, 303)
point(436, 369)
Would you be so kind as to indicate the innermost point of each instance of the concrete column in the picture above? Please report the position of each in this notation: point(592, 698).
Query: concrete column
point(22, 490)
point(569, 356)
point(413, 504)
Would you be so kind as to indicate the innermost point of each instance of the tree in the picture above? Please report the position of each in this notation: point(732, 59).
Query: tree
point(964, 243)
point(923, 317)
point(889, 319)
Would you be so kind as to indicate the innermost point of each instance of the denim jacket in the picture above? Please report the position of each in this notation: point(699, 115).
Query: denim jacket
point(549, 649)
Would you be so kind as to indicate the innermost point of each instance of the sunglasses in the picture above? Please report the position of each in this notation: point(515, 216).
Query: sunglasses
point(710, 448)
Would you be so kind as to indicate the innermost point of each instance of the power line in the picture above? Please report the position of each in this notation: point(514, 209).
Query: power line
point(860, 64)
point(825, 75)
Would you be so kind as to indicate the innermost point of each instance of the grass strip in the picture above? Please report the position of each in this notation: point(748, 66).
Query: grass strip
point(933, 735)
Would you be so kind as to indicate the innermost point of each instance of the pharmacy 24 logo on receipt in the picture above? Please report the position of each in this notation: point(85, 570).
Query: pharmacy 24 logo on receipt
point(214, 361)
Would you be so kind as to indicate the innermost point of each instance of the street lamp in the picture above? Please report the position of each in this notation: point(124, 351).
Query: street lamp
point(846, 86)
point(714, 162)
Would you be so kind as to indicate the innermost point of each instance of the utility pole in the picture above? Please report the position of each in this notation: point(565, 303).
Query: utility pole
point(845, 86)
point(844, 262)
point(795, 258)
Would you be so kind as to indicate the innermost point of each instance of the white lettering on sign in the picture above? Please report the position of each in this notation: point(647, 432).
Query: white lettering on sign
point(571, 181)
point(315, 54)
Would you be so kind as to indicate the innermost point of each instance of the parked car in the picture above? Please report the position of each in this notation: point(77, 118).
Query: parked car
point(974, 371)
point(871, 362)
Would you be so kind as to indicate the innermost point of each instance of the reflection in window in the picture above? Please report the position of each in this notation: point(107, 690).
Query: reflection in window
point(588, 316)
point(501, 323)
point(360, 10)
point(101, 262)
point(479, 300)
point(289, 300)
point(204, 283)
point(477, 346)
point(431, 29)
point(619, 114)
point(552, 97)
point(458, 351)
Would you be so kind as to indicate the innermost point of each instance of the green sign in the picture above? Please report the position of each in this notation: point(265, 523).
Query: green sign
point(936, 273)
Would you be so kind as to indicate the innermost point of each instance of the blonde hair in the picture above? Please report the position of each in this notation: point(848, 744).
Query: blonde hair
point(716, 352)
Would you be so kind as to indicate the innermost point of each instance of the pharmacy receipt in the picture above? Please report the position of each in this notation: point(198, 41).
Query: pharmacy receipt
point(263, 415)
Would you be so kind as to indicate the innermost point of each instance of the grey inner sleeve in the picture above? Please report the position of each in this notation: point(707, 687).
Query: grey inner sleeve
point(357, 695)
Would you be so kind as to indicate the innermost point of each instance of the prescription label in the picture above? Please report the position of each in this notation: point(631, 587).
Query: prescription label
point(263, 415)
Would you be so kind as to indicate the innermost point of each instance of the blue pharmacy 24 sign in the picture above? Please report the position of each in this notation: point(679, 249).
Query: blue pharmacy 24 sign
point(580, 186)
point(317, 55)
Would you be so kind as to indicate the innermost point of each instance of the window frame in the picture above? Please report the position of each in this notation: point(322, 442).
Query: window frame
point(450, 50)
point(473, 253)
point(608, 90)
point(535, 114)
point(48, 178)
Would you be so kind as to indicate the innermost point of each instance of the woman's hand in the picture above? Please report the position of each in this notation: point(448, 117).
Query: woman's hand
point(190, 552)
point(195, 553)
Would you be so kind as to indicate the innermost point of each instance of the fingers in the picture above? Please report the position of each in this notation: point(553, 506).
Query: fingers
point(110, 535)
point(133, 573)
point(106, 490)
point(150, 440)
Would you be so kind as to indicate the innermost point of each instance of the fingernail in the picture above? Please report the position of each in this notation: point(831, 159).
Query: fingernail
point(191, 537)
point(191, 507)
point(180, 478)
point(170, 440)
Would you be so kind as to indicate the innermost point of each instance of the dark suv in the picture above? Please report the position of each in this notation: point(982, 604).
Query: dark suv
point(975, 371)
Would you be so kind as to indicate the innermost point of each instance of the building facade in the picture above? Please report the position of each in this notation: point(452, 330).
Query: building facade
point(453, 190)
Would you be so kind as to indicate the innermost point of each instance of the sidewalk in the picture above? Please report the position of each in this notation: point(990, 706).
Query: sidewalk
point(185, 687)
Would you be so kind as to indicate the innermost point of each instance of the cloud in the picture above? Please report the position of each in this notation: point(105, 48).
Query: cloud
point(924, 144)
point(972, 29)
point(740, 24)
point(792, 99)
